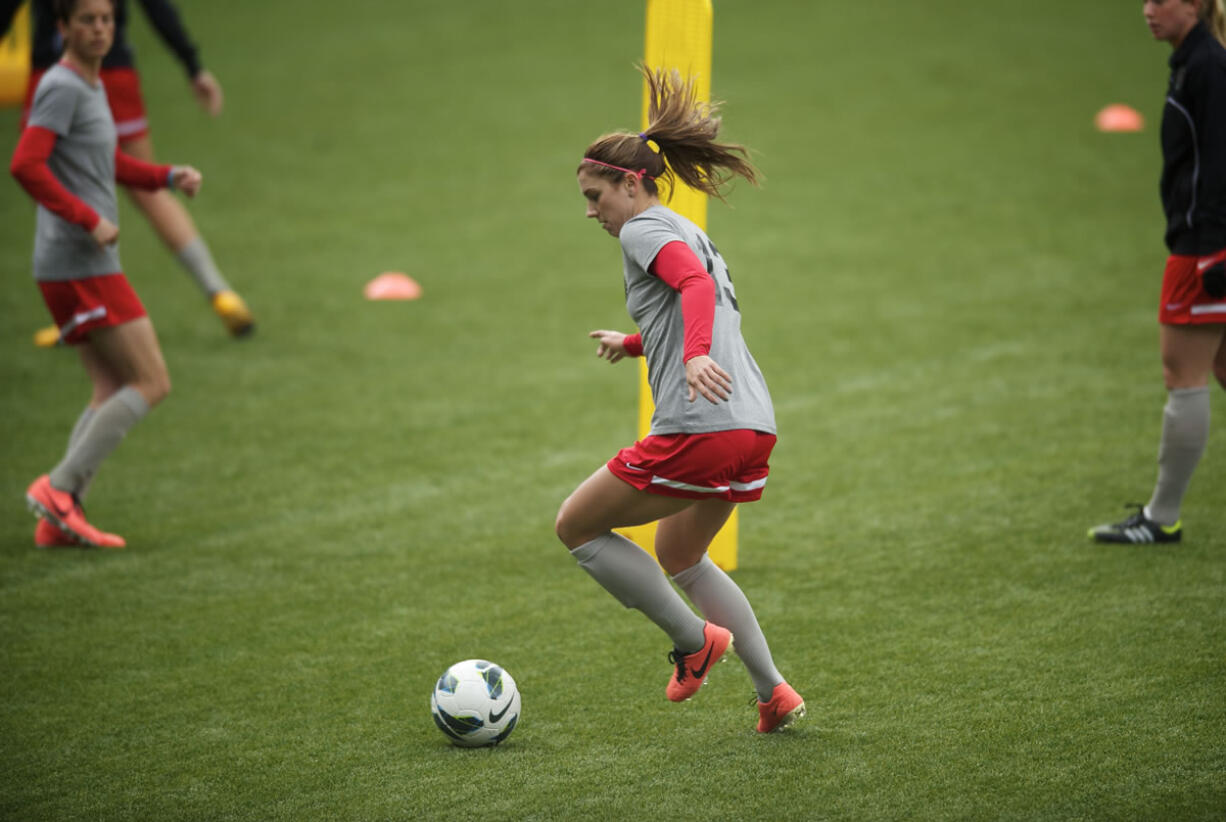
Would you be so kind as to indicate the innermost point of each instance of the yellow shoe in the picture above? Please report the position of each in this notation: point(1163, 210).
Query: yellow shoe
point(48, 337)
point(234, 313)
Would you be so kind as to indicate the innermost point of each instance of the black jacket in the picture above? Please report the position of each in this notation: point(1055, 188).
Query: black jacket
point(1193, 183)
point(46, 46)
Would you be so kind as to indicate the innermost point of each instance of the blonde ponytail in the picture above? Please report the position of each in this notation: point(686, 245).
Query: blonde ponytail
point(1213, 12)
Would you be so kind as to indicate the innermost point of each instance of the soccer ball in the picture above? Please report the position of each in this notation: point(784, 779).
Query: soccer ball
point(475, 703)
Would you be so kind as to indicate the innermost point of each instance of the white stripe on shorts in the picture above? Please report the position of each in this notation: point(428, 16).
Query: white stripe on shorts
point(81, 318)
point(1209, 308)
point(719, 489)
point(685, 486)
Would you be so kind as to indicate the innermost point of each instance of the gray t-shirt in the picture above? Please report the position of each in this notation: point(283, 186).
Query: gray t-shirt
point(656, 309)
point(84, 163)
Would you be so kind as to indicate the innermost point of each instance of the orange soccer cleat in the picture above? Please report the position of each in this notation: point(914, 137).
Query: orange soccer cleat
point(692, 668)
point(61, 510)
point(784, 708)
point(47, 535)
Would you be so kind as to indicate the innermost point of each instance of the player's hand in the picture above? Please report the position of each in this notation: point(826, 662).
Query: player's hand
point(704, 376)
point(105, 233)
point(208, 92)
point(186, 179)
point(612, 344)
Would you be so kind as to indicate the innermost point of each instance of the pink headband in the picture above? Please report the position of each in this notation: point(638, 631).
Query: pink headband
point(641, 173)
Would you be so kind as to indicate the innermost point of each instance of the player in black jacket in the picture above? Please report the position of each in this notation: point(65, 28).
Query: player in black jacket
point(1192, 311)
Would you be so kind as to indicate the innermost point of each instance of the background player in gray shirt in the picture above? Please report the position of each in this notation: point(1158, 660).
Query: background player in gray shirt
point(67, 159)
point(713, 427)
point(167, 214)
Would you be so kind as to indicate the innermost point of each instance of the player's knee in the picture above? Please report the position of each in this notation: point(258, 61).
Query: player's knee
point(155, 388)
point(102, 392)
point(567, 527)
point(1179, 374)
point(1170, 370)
point(671, 565)
point(562, 525)
point(677, 558)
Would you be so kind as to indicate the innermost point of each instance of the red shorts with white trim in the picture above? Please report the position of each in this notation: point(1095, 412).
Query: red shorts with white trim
point(728, 465)
point(81, 306)
point(1184, 299)
point(122, 93)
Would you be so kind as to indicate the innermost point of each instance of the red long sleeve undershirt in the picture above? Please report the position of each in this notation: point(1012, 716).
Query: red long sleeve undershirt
point(676, 265)
point(30, 167)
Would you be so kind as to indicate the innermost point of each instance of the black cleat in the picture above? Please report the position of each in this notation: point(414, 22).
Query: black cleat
point(1136, 529)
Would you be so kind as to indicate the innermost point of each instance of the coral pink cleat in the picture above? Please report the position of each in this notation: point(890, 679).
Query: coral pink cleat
point(61, 510)
point(47, 535)
point(784, 708)
point(692, 668)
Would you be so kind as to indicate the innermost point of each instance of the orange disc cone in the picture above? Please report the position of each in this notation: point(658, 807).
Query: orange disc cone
point(392, 285)
point(1119, 117)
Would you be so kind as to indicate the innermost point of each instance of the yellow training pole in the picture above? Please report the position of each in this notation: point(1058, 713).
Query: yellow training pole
point(15, 59)
point(679, 36)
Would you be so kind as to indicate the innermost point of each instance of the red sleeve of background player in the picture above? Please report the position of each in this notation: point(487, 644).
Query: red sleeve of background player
point(677, 266)
point(138, 174)
point(633, 345)
point(30, 167)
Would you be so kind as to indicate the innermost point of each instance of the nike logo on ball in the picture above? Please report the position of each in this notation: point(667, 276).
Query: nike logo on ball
point(497, 716)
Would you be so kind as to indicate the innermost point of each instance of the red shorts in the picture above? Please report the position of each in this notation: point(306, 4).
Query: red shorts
point(122, 93)
point(1184, 301)
point(729, 465)
point(80, 306)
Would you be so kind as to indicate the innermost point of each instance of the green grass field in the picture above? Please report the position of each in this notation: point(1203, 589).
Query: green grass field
point(949, 277)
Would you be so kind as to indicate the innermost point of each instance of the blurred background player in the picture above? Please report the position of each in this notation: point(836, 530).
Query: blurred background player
point(169, 217)
point(1192, 310)
point(68, 160)
point(714, 424)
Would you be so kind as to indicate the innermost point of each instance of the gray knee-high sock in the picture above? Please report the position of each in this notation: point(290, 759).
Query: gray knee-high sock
point(110, 423)
point(77, 430)
point(723, 602)
point(80, 425)
point(630, 574)
point(1185, 433)
point(196, 258)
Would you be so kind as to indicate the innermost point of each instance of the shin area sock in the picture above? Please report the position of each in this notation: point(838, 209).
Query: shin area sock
point(630, 574)
point(723, 602)
point(1185, 434)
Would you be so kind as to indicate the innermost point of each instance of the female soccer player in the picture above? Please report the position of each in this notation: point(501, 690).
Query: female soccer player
point(714, 425)
point(68, 160)
point(166, 214)
point(1192, 308)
